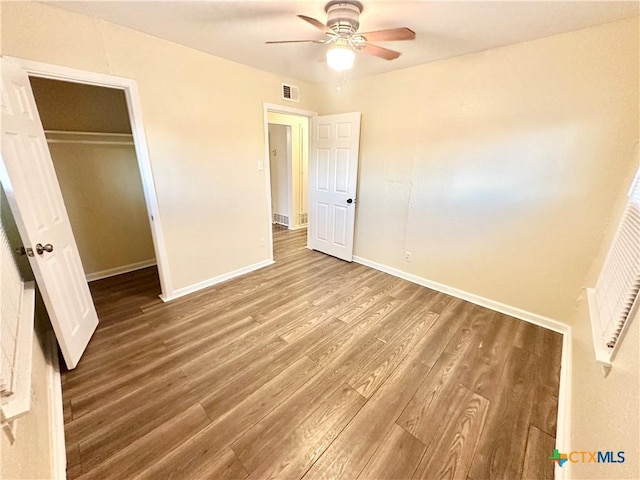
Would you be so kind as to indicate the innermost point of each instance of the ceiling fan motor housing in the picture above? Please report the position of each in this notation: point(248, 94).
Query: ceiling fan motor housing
point(343, 17)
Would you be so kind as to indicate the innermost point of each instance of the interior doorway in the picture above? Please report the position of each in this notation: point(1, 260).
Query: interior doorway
point(287, 139)
point(88, 132)
point(288, 167)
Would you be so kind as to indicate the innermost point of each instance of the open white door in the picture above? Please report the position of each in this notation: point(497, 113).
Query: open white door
point(32, 189)
point(333, 178)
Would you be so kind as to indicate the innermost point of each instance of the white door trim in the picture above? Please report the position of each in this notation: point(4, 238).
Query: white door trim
point(275, 108)
point(130, 88)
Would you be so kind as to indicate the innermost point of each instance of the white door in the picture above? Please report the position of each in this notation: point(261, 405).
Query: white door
point(32, 189)
point(333, 178)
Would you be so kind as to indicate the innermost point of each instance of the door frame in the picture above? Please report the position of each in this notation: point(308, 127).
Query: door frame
point(130, 89)
point(275, 108)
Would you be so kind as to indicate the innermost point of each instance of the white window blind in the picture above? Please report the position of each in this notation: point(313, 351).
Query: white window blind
point(615, 297)
point(16, 337)
point(11, 300)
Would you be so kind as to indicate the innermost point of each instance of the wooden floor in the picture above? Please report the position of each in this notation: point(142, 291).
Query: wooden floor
point(310, 368)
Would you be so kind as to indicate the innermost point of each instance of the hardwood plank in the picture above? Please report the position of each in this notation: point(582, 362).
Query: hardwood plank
point(536, 460)
point(490, 356)
point(294, 453)
point(213, 357)
point(92, 414)
point(453, 315)
point(407, 314)
point(74, 461)
point(376, 294)
point(301, 325)
point(246, 380)
point(531, 338)
point(545, 406)
point(426, 408)
point(223, 466)
point(67, 411)
point(500, 452)
point(131, 424)
point(397, 457)
point(136, 457)
point(368, 379)
point(405, 290)
point(191, 459)
point(97, 367)
point(74, 471)
point(354, 447)
point(205, 329)
point(344, 338)
point(291, 413)
point(88, 383)
point(208, 376)
point(455, 438)
point(113, 390)
point(123, 330)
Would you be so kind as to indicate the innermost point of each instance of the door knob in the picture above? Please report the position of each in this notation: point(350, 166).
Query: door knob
point(350, 200)
point(40, 249)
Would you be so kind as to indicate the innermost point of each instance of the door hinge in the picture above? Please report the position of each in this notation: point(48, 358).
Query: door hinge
point(25, 251)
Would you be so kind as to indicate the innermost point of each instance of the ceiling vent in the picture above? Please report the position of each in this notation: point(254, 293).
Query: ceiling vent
point(291, 93)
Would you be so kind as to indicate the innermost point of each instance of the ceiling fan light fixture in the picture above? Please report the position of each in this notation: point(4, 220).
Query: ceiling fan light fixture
point(340, 58)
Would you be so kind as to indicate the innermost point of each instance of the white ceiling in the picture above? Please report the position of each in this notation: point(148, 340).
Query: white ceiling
point(237, 30)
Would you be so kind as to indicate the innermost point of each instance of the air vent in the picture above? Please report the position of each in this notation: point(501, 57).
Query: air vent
point(281, 219)
point(291, 93)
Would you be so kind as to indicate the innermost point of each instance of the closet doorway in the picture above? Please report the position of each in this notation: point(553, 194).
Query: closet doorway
point(88, 131)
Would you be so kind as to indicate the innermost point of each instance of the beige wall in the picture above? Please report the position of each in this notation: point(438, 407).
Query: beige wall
point(102, 192)
point(299, 159)
point(605, 410)
point(203, 118)
point(498, 170)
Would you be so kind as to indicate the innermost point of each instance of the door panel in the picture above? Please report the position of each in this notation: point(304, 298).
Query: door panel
point(333, 171)
point(340, 219)
point(34, 196)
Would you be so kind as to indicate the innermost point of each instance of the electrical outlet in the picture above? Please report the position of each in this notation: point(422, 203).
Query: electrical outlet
point(407, 256)
point(260, 165)
point(262, 242)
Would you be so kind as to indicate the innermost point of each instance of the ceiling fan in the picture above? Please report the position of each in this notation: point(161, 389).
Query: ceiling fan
point(341, 30)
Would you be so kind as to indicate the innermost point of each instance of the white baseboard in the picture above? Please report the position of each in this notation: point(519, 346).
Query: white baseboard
point(563, 428)
point(56, 414)
point(469, 297)
point(112, 272)
point(299, 227)
point(564, 395)
point(181, 292)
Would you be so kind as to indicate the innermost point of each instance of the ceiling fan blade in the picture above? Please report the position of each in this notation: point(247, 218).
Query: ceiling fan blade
point(297, 41)
point(389, 35)
point(379, 51)
point(316, 23)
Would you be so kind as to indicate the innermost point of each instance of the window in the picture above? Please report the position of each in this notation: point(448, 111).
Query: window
point(16, 337)
point(615, 298)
